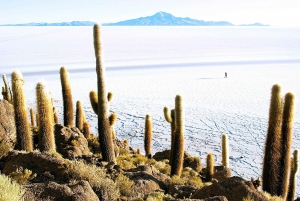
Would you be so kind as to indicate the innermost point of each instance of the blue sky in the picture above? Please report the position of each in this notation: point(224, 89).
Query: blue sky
point(273, 12)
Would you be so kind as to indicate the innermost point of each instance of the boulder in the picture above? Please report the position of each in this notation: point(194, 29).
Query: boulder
point(221, 172)
point(234, 189)
point(215, 198)
point(181, 191)
point(147, 179)
point(7, 122)
point(70, 142)
point(81, 191)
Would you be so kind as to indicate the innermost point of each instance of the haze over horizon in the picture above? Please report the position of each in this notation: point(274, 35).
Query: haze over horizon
point(274, 13)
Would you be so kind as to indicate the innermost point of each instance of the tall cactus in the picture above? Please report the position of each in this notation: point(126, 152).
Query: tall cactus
point(7, 94)
point(67, 97)
point(148, 136)
point(210, 167)
point(170, 117)
point(79, 116)
point(178, 152)
point(272, 155)
point(293, 176)
point(24, 135)
point(287, 135)
point(45, 109)
point(104, 127)
point(225, 155)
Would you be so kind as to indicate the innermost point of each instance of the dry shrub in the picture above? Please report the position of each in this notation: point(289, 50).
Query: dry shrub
point(96, 176)
point(163, 166)
point(248, 198)
point(10, 190)
point(22, 177)
point(94, 144)
point(129, 161)
point(272, 198)
point(125, 185)
point(5, 147)
point(189, 177)
point(53, 153)
point(153, 196)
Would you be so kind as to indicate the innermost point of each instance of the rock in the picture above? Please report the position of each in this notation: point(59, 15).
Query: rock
point(182, 191)
point(221, 172)
point(189, 161)
point(70, 142)
point(234, 189)
point(215, 198)
point(147, 179)
point(36, 162)
point(8, 131)
point(81, 191)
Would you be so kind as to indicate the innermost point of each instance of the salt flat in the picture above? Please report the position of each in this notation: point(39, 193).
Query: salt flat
point(254, 59)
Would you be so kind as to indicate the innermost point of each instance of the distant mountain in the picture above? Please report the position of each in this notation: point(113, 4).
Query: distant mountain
point(158, 19)
point(73, 23)
point(167, 19)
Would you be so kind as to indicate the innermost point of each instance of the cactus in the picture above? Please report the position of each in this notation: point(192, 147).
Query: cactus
point(79, 116)
point(6, 92)
point(104, 127)
point(112, 122)
point(272, 155)
point(293, 174)
point(148, 136)
point(86, 130)
point(170, 117)
point(178, 152)
point(67, 97)
point(24, 135)
point(37, 119)
point(287, 135)
point(210, 167)
point(225, 154)
point(45, 109)
point(138, 151)
point(55, 116)
point(32, 116)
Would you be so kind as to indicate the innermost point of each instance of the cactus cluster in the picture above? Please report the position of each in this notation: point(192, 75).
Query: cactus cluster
point(276, 165)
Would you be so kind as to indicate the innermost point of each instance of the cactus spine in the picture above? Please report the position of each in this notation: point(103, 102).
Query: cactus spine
point(24, 136)
point(210, 167)
point(32, 116)
point(148, 135)
point(79, 116)
point(170, 117)
point(178, 152)
point(104, 127)
point(225, 154)
point(45, 109)
point(293, 174)
point(6, 92)
point(287, 135)
point(67, 97)
point(272, 156)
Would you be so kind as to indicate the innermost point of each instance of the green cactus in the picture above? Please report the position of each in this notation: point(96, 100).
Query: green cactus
point(170, 117)
point(79, 116)
point(24, 135)
point(210, 167)
point(67, 97)
point(271, 171)
point(178, 152)
point(293, 177)
point(104, 127)
point(6, 92)
point(32, 116)
point(45, 109)
point(287, 135)
point(148, 136)
point(225, 155)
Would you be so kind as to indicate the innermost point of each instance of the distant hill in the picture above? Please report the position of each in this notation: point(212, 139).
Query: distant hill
point(167, 19)
point(158, 19)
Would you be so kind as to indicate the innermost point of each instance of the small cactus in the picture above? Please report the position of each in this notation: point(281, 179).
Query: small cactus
point(138, 151)
point(293, 177)
point(32, 116)
point(37, 119)
point(210, 167)
point(148, 135)
point(6, 92)
point(45, 109)
point(55, 116)
point(86, 130)
point(24, 135)
point(67, 97)
point(225, 155)
point(79, 116)
point(178, 152)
